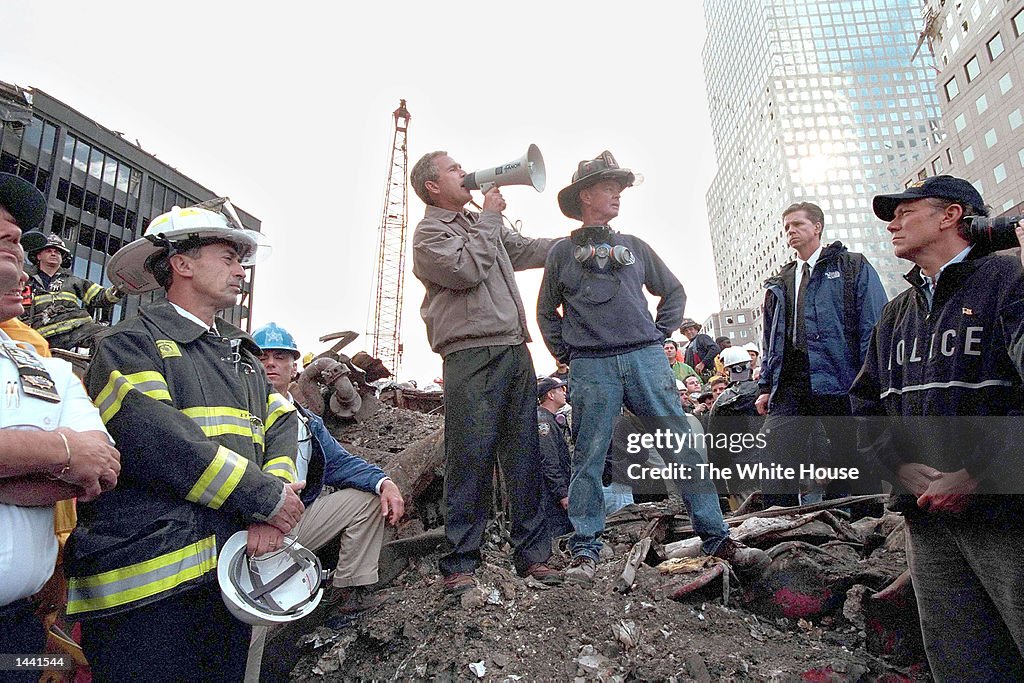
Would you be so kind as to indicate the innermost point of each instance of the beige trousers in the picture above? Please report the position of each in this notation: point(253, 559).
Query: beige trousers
point(353, 516)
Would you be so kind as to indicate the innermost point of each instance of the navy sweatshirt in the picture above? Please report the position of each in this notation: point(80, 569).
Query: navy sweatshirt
point(603, 310)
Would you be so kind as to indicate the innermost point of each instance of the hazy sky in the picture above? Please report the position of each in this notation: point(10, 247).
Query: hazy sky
point(286, 108)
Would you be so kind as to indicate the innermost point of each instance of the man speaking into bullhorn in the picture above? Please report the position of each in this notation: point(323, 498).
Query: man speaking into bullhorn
point(476, 321)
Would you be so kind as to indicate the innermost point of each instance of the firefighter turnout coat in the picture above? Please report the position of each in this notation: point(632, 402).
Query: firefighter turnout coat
point(67, 303)
point(206, 446)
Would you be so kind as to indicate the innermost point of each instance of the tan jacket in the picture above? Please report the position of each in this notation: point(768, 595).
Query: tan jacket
point(466, 262)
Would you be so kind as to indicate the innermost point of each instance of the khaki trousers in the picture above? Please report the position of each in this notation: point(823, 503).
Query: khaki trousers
point(355, 518)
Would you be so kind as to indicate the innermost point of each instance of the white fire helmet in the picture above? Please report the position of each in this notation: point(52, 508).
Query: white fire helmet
point(130, 269)
point(734, 356)
point(274, 588)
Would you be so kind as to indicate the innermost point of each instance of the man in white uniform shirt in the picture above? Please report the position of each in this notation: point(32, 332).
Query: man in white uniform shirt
point(53, 445)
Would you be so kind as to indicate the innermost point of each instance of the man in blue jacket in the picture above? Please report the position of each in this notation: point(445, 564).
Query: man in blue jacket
point(818, 315)
point(355, 512)
point(614, 349)
point(364, 497)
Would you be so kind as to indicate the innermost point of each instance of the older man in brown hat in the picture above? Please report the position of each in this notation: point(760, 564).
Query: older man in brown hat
point(614, 350)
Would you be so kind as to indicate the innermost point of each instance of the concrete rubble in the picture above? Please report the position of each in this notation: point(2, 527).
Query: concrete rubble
point(835, 604)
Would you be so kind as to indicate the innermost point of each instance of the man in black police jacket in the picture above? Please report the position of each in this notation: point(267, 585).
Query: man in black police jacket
point(941, 365)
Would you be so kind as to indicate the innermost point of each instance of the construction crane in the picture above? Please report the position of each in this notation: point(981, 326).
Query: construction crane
point(390, 268)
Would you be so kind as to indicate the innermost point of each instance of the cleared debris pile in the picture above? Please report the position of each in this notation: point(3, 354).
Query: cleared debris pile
point(833, 605)
point(815, 614)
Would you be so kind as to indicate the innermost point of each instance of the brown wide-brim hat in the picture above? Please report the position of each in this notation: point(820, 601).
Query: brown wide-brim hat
point(588, 173)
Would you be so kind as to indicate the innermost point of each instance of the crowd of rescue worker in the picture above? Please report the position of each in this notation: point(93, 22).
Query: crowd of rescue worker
point(203, 489)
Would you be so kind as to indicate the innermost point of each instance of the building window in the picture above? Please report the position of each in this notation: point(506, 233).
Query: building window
point(968, 154)
point(1005, 83)
point(741, 319)
point(991, 138)
point(981, 103)
point(1015, 119)
point(960, 122)
point(937, 166)
point(995, 46)
point(973, 68)
point(1018, 23)
point(952, 88)
point(1000, 173)
point(1020, 156)
point(979, 187)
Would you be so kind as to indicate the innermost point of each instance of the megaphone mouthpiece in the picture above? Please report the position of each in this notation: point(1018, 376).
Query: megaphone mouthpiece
point(526, 170)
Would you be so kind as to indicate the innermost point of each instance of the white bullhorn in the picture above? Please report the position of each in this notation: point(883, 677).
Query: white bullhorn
point(526, 170)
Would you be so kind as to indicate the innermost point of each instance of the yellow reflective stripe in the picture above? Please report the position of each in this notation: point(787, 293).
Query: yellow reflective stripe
point(277, 406)
point(148, 382)
point(143, 579)
point(219, 479)
point(62, 326)
point(91, 293)
point(282, 467)
point(220, 420)
point(49, 298)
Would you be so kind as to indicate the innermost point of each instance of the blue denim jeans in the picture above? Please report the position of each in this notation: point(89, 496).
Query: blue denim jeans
point(642, 381)
point(616, 497)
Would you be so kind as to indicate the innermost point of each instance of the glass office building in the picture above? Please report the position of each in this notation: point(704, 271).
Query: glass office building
point(810, 101)
point(977, 50)
point(101, 190)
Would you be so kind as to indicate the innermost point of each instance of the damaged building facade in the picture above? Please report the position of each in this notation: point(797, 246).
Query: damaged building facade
point(101, 190)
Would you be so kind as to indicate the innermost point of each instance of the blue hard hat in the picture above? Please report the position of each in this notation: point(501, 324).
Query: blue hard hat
point(270, 337)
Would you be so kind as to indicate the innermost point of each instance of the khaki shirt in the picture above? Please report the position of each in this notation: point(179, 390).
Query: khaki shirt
point(466, 262)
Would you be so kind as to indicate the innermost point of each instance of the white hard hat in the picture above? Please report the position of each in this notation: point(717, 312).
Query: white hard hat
point(751, 346)
point(734, 355)
point(275, 588)
point(130, 269)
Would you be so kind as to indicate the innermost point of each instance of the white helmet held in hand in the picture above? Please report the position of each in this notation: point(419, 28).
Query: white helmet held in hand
point(131, 268)
point(274, 588)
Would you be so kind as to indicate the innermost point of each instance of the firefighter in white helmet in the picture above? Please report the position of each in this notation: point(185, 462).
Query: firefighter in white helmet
point(207, 449)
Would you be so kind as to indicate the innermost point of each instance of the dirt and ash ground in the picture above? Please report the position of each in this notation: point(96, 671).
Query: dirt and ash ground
point(514, 629)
